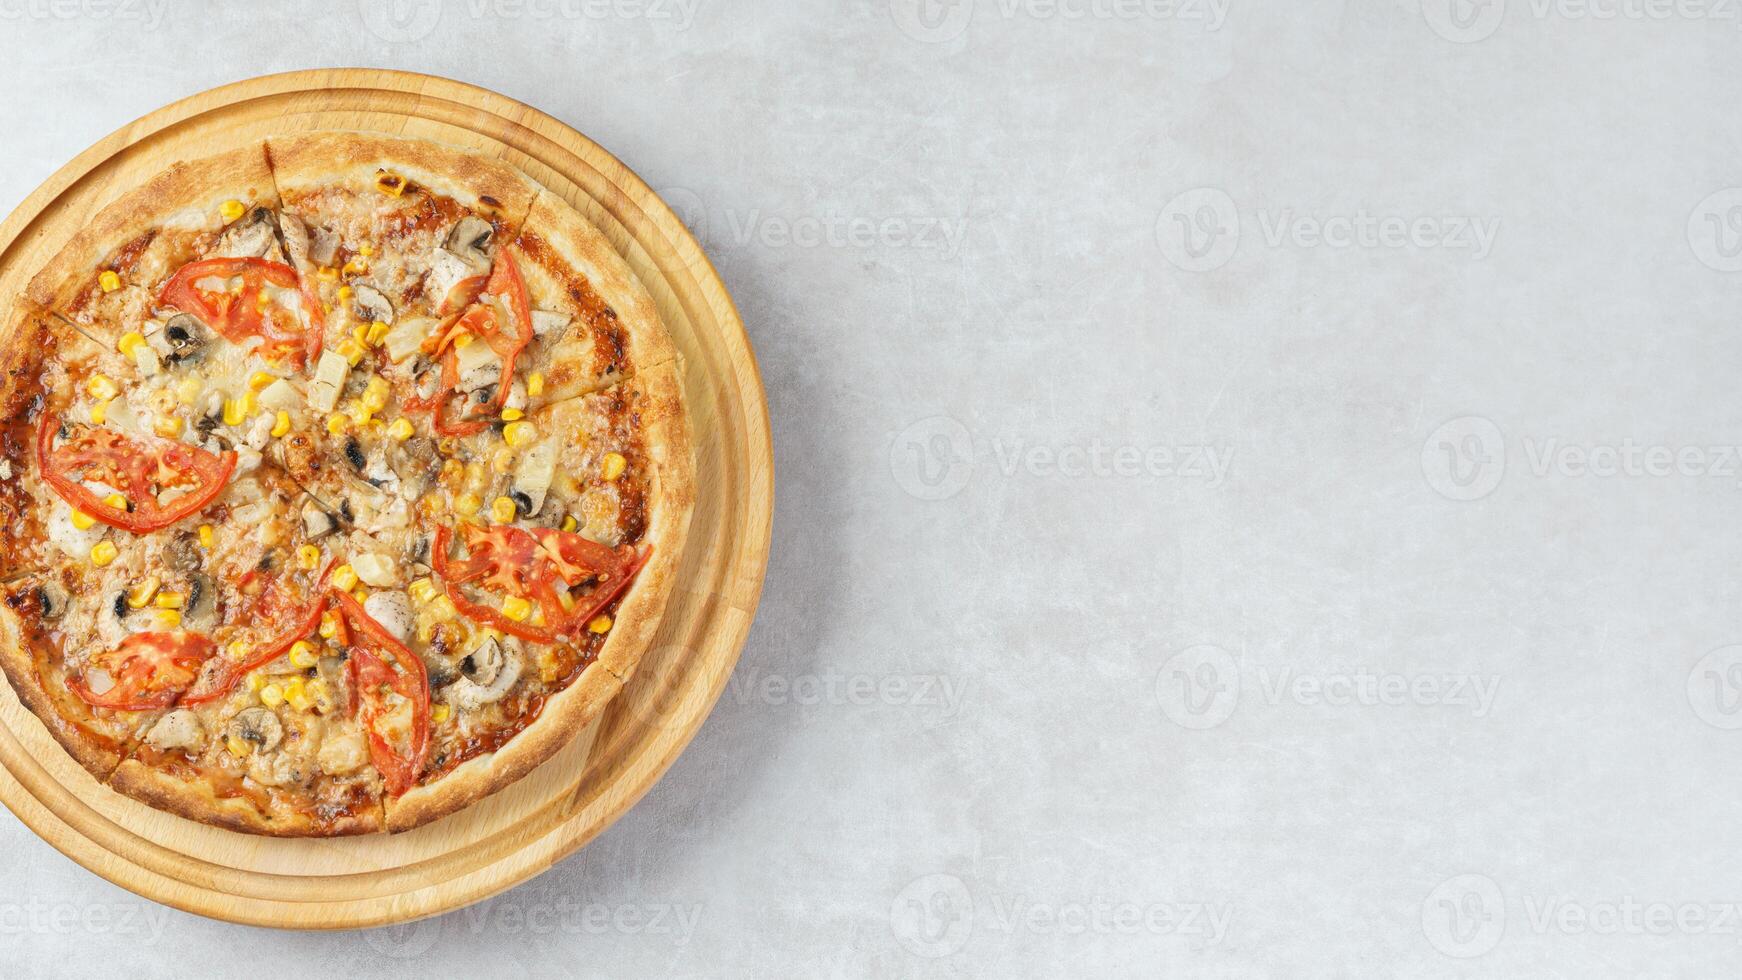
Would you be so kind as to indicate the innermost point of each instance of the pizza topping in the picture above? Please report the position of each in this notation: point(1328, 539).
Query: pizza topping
point(541, 568)
point(481, 374)
point(316, 522)
point(146, 671)
point(257, 727)
point(393, 611)
point(178, 730)
point(244, 298)
point(487, 674)
point(369, 305)
point(390, 682)
point(155, 484)
point(329, 379)
point(250, 235)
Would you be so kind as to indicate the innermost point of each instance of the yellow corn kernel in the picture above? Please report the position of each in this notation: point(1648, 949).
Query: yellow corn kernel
point(259, 380)
point(467, 504)
point(188, 389)
point(130, 342)
point(512, 415)
point(256, 681)
point(518, 434)
point(548, 667)
point(327, 273)
point(433, 505)
point(390, 183)
point(464, 339)
point(103, 552)
point(206, 536)
point(350, 350)
point(365, 249)
point(108, 280)
point(169, 600)
point(82, 520)
point(440, 713)
point(356, 267)
point(401, 429)
point(377, 333)
point(99, 413)
point(296, 695)
point(569, 522)
point(535, 383)
point(502, 510)
point(307, 557)
point(344, 578)
point(303, 654)
point(280, 424)
point(101, 386)
point(600, 624)
point(140, 595)
point(329, 626)
point(360, 413)
point(613, 466)
point(502, 460)
point(233, 412)
point(169, 618)
point(361, 592)
point(232, 209)
point(272, 695)
point(237, 747)
point(116, 501)
point(168, 426)
point(422, 590)
point(345, 294)
point(322, 694)
point(516, 608)
point(336, 423)
point(375, 393)
point(444, 608)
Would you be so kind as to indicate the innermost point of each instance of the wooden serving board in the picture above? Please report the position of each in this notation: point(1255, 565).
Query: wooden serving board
point(565, 803)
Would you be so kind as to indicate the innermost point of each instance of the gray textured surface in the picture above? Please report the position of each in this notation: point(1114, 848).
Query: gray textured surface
point(1263, 501)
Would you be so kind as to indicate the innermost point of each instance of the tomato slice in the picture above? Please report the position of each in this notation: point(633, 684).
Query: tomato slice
point(226, 294)
point(149, 670)
point(139, 471)
point(505, 291)
point(219, 682)
point(380, 664)
point(543, 567)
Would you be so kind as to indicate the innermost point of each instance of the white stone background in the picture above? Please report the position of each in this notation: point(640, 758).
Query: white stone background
point(1435, 678)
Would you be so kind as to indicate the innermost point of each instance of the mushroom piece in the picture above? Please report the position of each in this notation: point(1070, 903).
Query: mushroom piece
point(180, 729)
point(184, 553)
point(323, 246)
point(185, 335)
point(369, 305)
point(258, 727)
point(393, 611)
point(296, 243)
point(549, 322)
point(488, 673)
point(199, 609)
point(416, 463)
point(469, 239)
point(51, 599)
point(316, 521)
point(484, 662)
point(252, 236)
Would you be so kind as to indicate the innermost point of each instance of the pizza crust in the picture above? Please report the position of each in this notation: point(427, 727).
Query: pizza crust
point(195, 801)
point(19, 665)
point(312, 160)
point(198, 187)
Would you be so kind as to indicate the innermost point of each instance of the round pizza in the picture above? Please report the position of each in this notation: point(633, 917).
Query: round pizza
point(343, 480)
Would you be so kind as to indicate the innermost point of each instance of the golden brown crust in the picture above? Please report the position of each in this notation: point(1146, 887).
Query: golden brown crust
point(312, 160)
point(25, 339)
point(195, 801)
point(197, 187)
point(20, 667)
point(564, 715)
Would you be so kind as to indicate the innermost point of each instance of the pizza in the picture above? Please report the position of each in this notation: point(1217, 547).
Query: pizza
point(343, 479)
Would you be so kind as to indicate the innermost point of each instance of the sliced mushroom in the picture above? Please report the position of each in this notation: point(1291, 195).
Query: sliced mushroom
point(199, 609)
point(415, 462)
point(369, 305)
point(393, 611)
point(184, 553)
point(501, 665)
point(484, 662)
point(469, 239)
point(295, 235)
point(316, 521)
point(258, 727)
point(254, 235)
point(333, 695)
point(533, 476)
point(51, 599)
point(185, 336)
point(178, 730)
point(446, 272)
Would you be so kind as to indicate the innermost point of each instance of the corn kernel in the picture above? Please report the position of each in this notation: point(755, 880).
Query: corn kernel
point(303, 655)
point(272, 695)
point(548, 667)
point(356, 267)
point(336, 423)
point(350, 350)
point(307, 557)
point(280, 423)
point(259, 380)
point(187, 390)
point(422, 590)
point(512, 415)
point(365, 249)
point(401, 429)
point(467, 504)
point(360, 413)
point(329, 627)
point(101, 386)
point(344, 578)
point(518, 434)
point(569, 522)
point(232, 209)
point(256, 681)
point(377, 333)
point(327, 273)
point(116, 501)
point(237, 747)
point(82, 520)
point(433, 505)
point(440, 713)
point(233, 412)
point(169, 600)
point(99, 413)
point(168, 426)
point(390, 183)
point(169, 618)
point(103, 552)
point(535, 383)
point(140, 595)
point(600, 624)
point(375, 393)
point(322, 694)
point(130, 342)
point(345, 294)
point(516, 608)
point(463, 340)
point(444, 608)
point(206, 536)
point(296, 695)
point(502, 510)
point(108, 280)
point(502, 460)
point(613, 466)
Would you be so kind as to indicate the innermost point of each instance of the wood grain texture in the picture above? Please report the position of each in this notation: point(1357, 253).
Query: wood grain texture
point(567, 801)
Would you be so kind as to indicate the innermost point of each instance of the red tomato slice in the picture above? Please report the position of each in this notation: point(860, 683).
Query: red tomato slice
point(541, 567)
point(140, 471)
point(226, 295)
point(380, 663)
point(220, 681)
point(484, 322)
point(149, 670)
